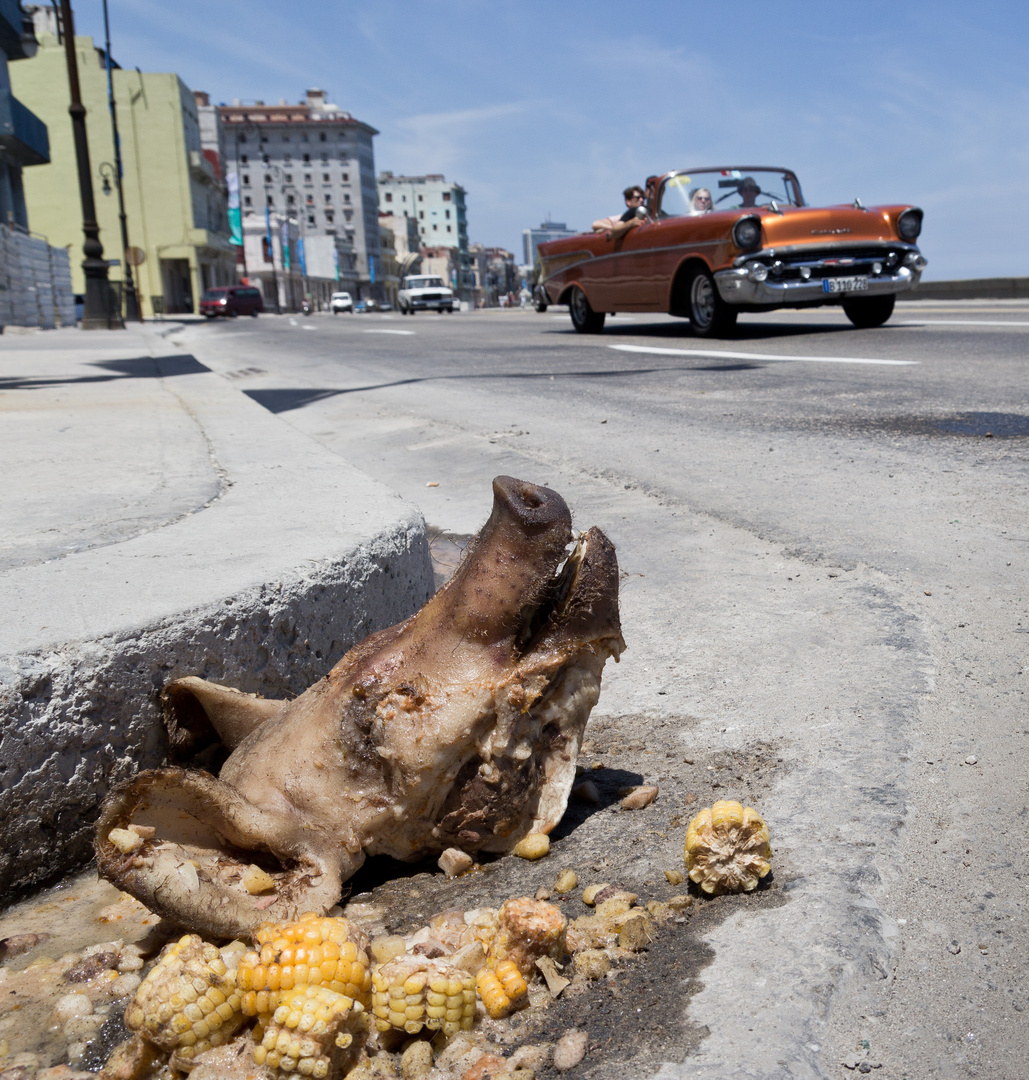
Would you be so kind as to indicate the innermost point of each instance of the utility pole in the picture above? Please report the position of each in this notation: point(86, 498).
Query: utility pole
point(97, 313)
point(131, 299)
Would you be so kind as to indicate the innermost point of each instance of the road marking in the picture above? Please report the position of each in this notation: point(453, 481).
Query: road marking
point(768, 357)
point(961, 322)
point(406, 333)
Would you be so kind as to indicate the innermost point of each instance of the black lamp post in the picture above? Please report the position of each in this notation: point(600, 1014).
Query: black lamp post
point(131, 299)
point(97, 311)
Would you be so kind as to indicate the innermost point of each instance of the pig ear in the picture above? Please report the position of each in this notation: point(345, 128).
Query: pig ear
point(198, 713)
point(210, 859)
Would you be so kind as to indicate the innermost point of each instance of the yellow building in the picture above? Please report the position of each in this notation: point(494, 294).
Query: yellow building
point(175, 202)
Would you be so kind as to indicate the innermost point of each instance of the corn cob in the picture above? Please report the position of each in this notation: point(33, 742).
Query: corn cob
point(189, 1002)
point(502, 989)
point(412, 992)
point(306, 1029)
point(727, 848)
point(527, 930)
point(310, 952)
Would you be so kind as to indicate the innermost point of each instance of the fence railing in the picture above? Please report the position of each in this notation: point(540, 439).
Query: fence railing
point(35, 282)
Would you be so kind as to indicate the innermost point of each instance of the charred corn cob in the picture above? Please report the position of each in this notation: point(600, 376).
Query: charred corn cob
point(189, 1002)
point(727, 848)
point(310, 1024)
point(412, 992)
point(527, 930)
point(502, 989)
point(310, 952)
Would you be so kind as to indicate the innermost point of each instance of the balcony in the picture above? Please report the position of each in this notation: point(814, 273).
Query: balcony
point(22, 134)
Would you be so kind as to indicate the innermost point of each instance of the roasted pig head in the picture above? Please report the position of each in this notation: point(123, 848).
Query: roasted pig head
point(457, 728)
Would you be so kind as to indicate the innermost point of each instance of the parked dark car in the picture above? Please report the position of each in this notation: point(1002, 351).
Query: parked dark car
point(231, 300)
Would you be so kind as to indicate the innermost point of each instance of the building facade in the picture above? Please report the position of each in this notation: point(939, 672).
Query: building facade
point(174, 199)
point(440, 215)
point(406, 242)
point(496, 274)
point(313, 162)
point(548, 230)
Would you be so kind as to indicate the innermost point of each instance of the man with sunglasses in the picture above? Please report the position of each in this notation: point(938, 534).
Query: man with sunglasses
point(614, 227)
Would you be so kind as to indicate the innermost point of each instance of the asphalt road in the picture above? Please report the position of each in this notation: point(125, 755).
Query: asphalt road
point(823, 534)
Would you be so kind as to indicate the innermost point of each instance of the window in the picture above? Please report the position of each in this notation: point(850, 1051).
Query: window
point(321, 136)
point(246, 200)
point(448, 214)
point(346, 179)
point(303, 136)
point(271, 200)
point(307, 159)
point(419, 198)
point(403, 198)
point(325, 159)
point(246, 179)
point(310, 200)
point(289, 177)
point(328, 197)
point(346, 196)
point(285, 138)
point(325, 177)
point(435, 228)
point(389, 196)
point(242, 138)
point(330, 216)
point(448, 228)
point(243, 159)
point(421, 214)
point(266, 249)
point(267, 178)
point(446, 196)
point(264, 138)
point(307, 177)
point(287, 158)
point(289, 200)
point(310, 219)
point(348, 214)
point(264, 158)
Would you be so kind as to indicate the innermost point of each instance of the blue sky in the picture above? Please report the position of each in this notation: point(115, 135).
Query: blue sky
point(552, 108)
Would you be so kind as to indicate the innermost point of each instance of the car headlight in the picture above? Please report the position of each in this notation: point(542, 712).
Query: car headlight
point(757, 271)
point(746, 233)
point(909, 224)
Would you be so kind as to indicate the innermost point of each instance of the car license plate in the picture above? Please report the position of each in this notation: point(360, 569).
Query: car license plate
point(844, 284)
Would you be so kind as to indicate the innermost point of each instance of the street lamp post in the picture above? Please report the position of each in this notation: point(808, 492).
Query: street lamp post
point(97, 313)
point(131, 299)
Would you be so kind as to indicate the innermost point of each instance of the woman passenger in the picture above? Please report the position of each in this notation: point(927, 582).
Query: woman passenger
point(700, 202)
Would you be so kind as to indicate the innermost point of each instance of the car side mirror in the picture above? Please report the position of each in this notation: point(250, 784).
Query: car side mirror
point(641, 212)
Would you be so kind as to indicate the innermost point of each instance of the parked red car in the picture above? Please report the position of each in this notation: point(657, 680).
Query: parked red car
point(231, 300)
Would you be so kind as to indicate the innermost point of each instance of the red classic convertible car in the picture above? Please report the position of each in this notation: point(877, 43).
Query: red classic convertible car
point(714, 242)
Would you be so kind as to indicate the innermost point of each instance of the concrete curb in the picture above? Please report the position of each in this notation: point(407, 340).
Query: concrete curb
point(298, 558)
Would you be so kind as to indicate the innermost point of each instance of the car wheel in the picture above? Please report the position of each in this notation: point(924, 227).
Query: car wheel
point(584, 318)
point(869, 311)
point(253, 314)
point(710, 315)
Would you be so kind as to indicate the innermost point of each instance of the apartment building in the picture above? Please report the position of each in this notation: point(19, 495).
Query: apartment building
point(438, 208)
point(548, 230)
point(314, 161)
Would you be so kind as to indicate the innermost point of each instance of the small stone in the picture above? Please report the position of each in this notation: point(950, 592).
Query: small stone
point(592, 963)
point(640, 797)
point(126, 984)
point(20, 943)
point(971, 759)
point(675, 877)
point(416, 1060)
point(954, 947)
point(586, 792)
point(72, 1006)
point(570, 1050)
point(454, 862)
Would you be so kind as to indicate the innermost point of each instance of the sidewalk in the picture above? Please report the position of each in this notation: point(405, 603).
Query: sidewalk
point(157, 523)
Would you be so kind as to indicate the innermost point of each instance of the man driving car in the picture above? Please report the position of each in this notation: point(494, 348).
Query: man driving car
point(614, 227)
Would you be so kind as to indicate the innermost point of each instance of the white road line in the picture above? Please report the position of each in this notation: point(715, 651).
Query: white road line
point(718, 354)
point(960, 322)
point(406, 333)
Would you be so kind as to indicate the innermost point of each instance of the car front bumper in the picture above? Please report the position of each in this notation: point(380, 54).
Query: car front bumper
point(737, 286)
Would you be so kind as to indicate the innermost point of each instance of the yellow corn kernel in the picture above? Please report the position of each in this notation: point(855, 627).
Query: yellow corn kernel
point(411, 992)
point(313, 951)
point(526, 931)
point(502, 989)
point(174, 1007)
point(305, 1027)
point(727, 848)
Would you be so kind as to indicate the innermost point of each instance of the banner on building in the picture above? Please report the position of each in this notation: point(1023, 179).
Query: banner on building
point(371, 268)
point(284, 236)
point(235, 215)
point(301, 261)
point(335, 261)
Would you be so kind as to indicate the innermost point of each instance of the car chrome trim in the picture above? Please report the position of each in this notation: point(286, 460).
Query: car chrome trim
point(737, 287)
point(836, 247)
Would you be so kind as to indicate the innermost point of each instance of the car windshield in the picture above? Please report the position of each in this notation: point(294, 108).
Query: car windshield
point(213, 294)
point(425, 283)
point(700, 192)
